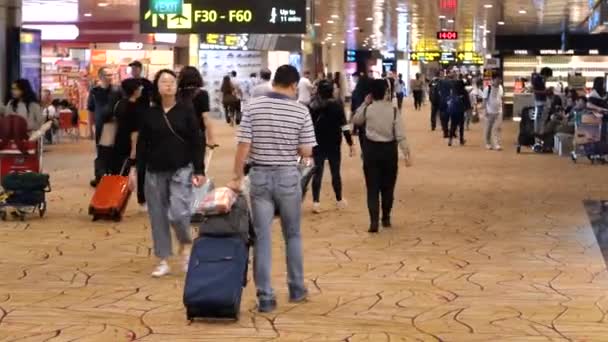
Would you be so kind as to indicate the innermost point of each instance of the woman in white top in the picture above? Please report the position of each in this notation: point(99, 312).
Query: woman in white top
point(24, 103)
point(492, 96)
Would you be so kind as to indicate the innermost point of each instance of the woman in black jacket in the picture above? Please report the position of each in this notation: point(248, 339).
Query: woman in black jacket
point(330, 123)
point(171, 143)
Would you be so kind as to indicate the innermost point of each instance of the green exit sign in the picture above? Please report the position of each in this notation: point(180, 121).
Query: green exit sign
point(166, 6)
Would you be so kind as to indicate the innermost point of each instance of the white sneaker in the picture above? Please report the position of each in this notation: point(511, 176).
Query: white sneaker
point(316, 207)
point(498, 148)
point(489, 147)
point(161, 270)
point(143, 208)
point(343, 204)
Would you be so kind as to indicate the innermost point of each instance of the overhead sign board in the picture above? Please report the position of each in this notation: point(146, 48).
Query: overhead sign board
point(469, 57)
point(350, 56)
point(214, 41)
point(425, 56)
point(221, 16)
point(166, 6)
point(447, 57)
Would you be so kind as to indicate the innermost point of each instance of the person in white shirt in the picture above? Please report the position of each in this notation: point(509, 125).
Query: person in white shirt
point(305, 89)
point(264, 87)
point(492, 100)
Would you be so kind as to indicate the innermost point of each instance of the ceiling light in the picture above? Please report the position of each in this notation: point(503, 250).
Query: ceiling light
point(330, 34)
point(372, 35)
point(103, 4)
point(355, 28)
point(88, 14)
point(333, 44)
point(369, 19)
point(501, 23)
point(341, 42)
point(56, 31)
point(522, 11)
point(482, 27)
point(451, 21)
point(488, 31)
point(330, 21)
point(317, 24)
point(488, 5)
point(442, 17)
point(335, 16)
point(308, 8)
point(444, 29)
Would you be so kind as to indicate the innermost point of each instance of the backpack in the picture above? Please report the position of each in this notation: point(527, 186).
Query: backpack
point(455, 104)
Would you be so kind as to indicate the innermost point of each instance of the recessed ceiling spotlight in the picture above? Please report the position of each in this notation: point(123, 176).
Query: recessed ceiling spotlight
point(451, 21)
point(482, 27)
point(88, 14)
point(333, 44)
point(444, 29)
point(335, 16)
point(307, 8)
point(488, 5)
point(408, 24)
point(501, 23)
point(372, 35)
point(488, 31)
point(369, 19)
point(103, 4)
point(330, 21)
point(317, 24)
point(349, 31)
point(355, 28)
point(341, 42)
point(522, 11)
point(442, 17)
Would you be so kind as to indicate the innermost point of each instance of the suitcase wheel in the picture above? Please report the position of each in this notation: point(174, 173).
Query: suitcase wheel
point(115, 215)
point(518, 149)
point(95, 217)
point(91, 210)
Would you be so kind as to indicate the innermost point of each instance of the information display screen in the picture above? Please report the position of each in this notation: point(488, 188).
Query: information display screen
point(31, 58)
point(447, 35)
point(222, 16)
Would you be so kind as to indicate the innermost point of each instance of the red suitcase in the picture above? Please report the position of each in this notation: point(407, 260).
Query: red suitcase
point(111, 198)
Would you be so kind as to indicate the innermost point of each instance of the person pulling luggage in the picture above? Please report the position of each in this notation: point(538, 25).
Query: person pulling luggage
point(275, 131)
point(384, 134)
point(329, 119)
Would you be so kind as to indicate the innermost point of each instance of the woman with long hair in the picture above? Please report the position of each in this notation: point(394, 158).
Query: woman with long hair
point(173, 149)
point(229, 100)
point(190, 90)
point(24, 103)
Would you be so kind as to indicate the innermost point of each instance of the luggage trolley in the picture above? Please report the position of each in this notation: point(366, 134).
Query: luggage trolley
point(24, 198)
point(590, 137)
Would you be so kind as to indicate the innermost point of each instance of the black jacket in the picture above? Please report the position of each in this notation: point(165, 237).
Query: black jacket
point(329, 119)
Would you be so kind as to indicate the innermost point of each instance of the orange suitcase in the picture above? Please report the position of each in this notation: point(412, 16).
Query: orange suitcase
point(111, 197)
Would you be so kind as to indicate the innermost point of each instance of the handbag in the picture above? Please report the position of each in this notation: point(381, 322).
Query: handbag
point(108, 132)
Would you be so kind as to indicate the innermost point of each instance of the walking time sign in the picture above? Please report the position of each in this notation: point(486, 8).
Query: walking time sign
point(223, 16)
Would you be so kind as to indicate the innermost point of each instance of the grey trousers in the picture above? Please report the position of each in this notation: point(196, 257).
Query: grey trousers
point(493, 129)
point(169, 196)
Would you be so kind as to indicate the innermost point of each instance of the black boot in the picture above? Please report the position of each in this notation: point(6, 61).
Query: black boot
point(386, 222)
point(374, 228)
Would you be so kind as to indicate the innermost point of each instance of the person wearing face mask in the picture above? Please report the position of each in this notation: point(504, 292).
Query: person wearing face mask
point(171, 145)
point(275, 131)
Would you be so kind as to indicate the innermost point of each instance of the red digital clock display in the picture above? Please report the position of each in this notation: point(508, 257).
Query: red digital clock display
point(447, 35)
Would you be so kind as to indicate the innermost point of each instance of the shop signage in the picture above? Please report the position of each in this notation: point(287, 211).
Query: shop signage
point(447, 58)
point(221, 16)
point(555, 52)
point(447, 35)
point(166, 6)
point(130, 46)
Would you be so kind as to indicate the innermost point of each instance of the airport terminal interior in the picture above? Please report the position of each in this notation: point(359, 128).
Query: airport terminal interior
point(490, 117)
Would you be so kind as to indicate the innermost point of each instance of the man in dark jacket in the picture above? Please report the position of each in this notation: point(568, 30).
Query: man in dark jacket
point(100, 102)
point(435, 98)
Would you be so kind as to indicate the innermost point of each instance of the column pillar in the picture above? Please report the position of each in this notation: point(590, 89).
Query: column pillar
point(10, 18)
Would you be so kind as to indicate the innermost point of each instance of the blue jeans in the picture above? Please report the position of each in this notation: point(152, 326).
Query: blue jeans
point(277, 187)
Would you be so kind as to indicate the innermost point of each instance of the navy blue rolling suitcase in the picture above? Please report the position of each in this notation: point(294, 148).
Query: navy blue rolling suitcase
point(217, 272)
point(216, 276)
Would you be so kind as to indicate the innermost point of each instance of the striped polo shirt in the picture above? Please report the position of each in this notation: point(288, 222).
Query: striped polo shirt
point(276, 126)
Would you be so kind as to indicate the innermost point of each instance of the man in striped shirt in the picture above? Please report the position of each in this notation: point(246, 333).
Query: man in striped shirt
point(274, 132)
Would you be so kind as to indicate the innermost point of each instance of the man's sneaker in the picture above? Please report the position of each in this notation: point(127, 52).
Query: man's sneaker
point(299, 297)
point(161, 270)
point(267, 305)
point(316, 207)
point(498, 148)
point(143, 208)
point(343, 204)
point(489, 147)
